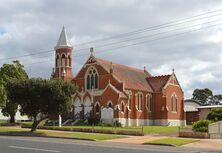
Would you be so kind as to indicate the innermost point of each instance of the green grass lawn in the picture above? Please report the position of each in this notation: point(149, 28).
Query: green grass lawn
point(26, 132)
point(80, 135)
point(172, 141)
point(4, 129)
point(3, 121)
point(146, 129)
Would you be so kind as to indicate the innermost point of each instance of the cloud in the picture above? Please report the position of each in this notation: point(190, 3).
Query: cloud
point(216, 38)
point(31, 26)
point(2, 30)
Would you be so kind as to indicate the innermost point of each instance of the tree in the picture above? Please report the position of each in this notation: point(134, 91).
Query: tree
point(2, 95)
point(206, 97)
point(215, 115)
point(202, 95)
point(216, 100)
point(40, 99)
point(10, 72)
point(201, 125)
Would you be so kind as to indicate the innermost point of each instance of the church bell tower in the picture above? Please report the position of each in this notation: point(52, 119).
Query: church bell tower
point(63, 58)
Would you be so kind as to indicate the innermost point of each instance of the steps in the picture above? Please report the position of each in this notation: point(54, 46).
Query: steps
point(75, 122)
point(67, 122)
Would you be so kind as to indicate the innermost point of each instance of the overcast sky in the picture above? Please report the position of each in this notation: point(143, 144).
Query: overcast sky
point(32, 26)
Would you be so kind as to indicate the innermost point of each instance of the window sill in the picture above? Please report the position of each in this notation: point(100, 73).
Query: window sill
point(148, 109)
point(173, 112)
point(92, 90)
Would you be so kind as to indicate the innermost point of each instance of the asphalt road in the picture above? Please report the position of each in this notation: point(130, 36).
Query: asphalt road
point(15, 144)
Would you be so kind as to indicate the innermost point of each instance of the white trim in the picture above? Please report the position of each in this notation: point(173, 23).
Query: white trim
point(112, 87)
point(140, 101)
point(136, 107)
point(109, 101)
point(170, 122)
point(147, 122)
point(99, 92)
point(134, 122)
point(129, 93)
point(174, 76)
point(87, 97)
point(76, 99)
point(58, 63)
point(64, 55)
point(213, 106)
point(122, 103)
point(172, 102)
point(151, 102)
point(96, 103)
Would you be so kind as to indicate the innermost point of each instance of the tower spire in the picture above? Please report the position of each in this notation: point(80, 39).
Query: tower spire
point(63, 58)
point(63, 41)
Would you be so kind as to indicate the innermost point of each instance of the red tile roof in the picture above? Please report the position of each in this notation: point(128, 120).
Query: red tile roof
point(158, 82)
point(133, 78)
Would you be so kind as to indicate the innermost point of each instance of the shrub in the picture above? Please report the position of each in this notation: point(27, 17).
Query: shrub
point(117, 124)
point(201, 126)
point(105, 124)
point(215, 115)
point(93, 121)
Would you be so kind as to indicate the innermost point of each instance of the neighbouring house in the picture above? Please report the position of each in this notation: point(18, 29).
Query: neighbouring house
point(205, 110)
point(18, 117)
point(191, 110)
point(114, 92)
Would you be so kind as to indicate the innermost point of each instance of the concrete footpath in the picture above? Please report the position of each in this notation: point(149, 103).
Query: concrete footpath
point(137, 139)
point(214, 144)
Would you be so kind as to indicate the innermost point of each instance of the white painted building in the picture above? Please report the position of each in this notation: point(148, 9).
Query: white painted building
point(18, 116)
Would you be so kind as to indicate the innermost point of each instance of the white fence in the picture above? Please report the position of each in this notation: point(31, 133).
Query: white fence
point(215, 130)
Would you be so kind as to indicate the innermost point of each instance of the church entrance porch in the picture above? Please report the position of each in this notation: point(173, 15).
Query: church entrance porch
point(87, 108)
point(77, 109)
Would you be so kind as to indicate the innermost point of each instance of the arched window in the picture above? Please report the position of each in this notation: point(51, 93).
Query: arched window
point(140, 99)
point(129, 100)
point(122, 107)
point(110, 104)
point(57, 61)
point(129, 103)
point(96, 81)
point(149, 103)
point(92, 81)
point(97, 108)
point(174, 102)
point(88, 82)
point(92, 78)
point(63, 60)
point(69, 61)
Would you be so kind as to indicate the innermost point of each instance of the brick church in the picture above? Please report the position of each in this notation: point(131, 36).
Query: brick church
point(115, 92)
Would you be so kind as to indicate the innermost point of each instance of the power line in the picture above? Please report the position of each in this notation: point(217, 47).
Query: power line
point(147, 41)
point(153, 40)
point(41, 52)
point(113, 43)
point(157, 27)
point(156, 34)
point(151, 27)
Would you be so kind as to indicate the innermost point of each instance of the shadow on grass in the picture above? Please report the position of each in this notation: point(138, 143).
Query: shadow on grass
point(23, 133)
